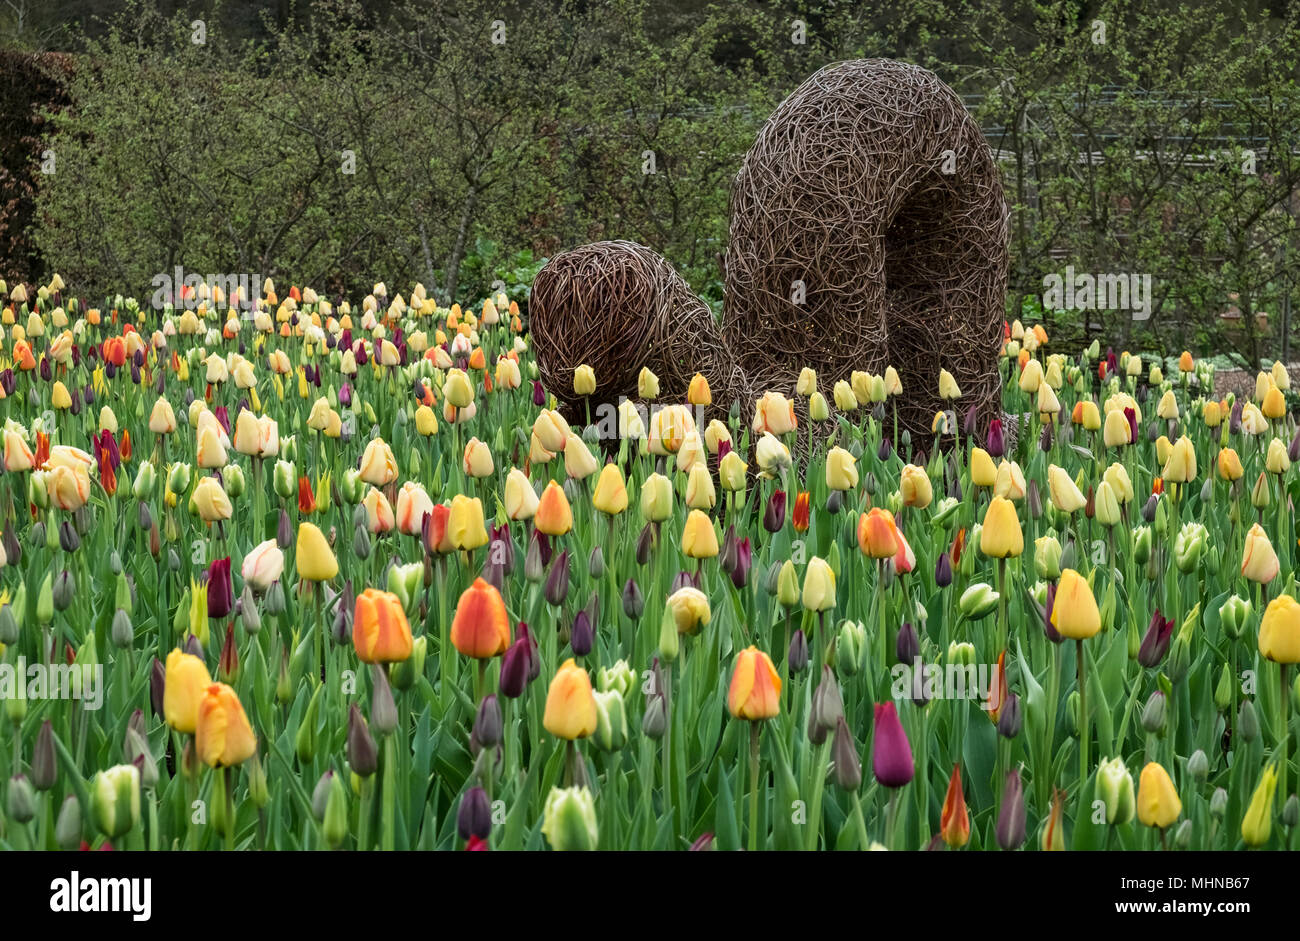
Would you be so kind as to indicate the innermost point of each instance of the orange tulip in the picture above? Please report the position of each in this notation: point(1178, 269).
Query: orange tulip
point(755, 687)
point(380, 632)
point(954, 823)
point(998, 689)
point(223, 737)
point(877, 534)
point(801, 511)
point(481, 628)
point(554, 516)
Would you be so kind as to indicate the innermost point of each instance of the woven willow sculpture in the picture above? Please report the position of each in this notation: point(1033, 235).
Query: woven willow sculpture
point(868, 228)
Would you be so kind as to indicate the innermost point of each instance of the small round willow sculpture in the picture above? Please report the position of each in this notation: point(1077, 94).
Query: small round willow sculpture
point(619, 307)
point(868, 228)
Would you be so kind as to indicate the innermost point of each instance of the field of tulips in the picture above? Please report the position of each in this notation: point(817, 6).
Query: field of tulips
point(297, 574)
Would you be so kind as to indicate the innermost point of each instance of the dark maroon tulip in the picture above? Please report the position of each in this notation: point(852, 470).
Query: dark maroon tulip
point(774, 515)
point(970, 424)
point(539, 396)
point(683, 580)
point(943, 570)
point(1131, 415)
point(363, 753)
point(908, 645)
point(534, 658)
point(884, 450)
point(744, 562)
point(891, 754)
point(474, 818)
point(1155, 644)
point(514, 669)
point(1234, 419)
point(797, 656)
point(223, 417)
point(221, 592)
point(633, 600)
point(995, 441)
point(1048, 627)
point(488, 724)
point(581, 637)
point(1011, 818)
point(724, 448)
point(157, 686)
point(557, 580)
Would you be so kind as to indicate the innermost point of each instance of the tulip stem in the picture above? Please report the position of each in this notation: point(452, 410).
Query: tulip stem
point(1284, 692)
point(389, 796)
point(864, 842)
point(230, 808)
point(1083, 715)
point(755, 730)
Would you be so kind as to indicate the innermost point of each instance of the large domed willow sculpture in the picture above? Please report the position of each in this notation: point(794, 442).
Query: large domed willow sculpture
point(868, 229)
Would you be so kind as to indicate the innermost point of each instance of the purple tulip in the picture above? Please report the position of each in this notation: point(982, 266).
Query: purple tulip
point(582, 638)
point(1131, 415)
point(891, 755)
point(774, 516)
point(943, 570)
point(1155, 644)
point(514, 669)
point(221, 593)
point(995, 442)
point(539, 396)
point(744, 562)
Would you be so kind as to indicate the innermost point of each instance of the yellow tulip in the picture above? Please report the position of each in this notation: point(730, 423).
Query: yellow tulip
point(1158, 804)
point(1001, 536)
point(314, 557)
point(699, 540)
point(841, 470)
point(584, 380)
point(610, 496)
point(1279, 630)
point(982, 471)
point(1257, 824)
point(1075, 614)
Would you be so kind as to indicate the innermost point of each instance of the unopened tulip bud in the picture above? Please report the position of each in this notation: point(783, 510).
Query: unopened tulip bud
point(1291, 811)
point(1248, 722)
point(1218, 803)
point(611, 721)
point(654, 721)
point(44, 763)
point(797, 657)
point(844, 756)
point(1153, 714)
point(334, 822)
point(1009, 718)
point(1010, 829)
point(67, 829)
point(850, 648)
point(827, 707)
point(383, 710)
point(908, 646)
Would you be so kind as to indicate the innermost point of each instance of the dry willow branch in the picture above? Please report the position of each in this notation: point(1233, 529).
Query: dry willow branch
point(868, 228)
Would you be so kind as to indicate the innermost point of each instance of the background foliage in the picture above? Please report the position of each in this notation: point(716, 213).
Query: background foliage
point(1164, 142)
